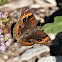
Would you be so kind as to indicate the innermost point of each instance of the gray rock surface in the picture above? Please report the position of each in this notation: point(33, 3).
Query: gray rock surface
point(34, 52)
point(12, 5)
point(51, 59)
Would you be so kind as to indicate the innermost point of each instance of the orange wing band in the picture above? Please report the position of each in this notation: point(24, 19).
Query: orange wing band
point(26, 42)
point(17, 31)
point(33, 21)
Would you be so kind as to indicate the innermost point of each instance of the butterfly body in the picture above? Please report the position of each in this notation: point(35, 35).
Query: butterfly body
point(26, 32)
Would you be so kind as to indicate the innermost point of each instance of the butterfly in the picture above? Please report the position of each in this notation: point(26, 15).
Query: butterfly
point(26, 32)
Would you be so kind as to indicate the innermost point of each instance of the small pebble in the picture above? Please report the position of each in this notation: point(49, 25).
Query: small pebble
point(5, 57)
point(42, 20)
point(52, 36)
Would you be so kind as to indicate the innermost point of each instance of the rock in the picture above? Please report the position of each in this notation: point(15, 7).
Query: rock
point(17, 51)
point(50, 59)
point(10, 60)
point(1, 60)
point(47, 59)
point(54, 10)
point(53, 2)
point(46, 3)
point(58, 58)
point(42, 10)
point(52, 36)
point(13, 59)
point(5, 57)
point(34, 52)
point(14, 4)
point(36, 45)
point(42, 20)
point(14, 46)
point(42, 15)
point(35, 6)
point(32, 60)
point(16, 59)
point(37, 17)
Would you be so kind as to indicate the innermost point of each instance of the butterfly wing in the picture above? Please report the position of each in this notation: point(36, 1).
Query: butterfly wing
point(23, 30)
point(27, 19)
point(36, 36)
point(26, 23)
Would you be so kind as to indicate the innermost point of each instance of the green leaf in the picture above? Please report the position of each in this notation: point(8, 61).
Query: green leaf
point(58, 19)
point(55, 27)
point(6, 39)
